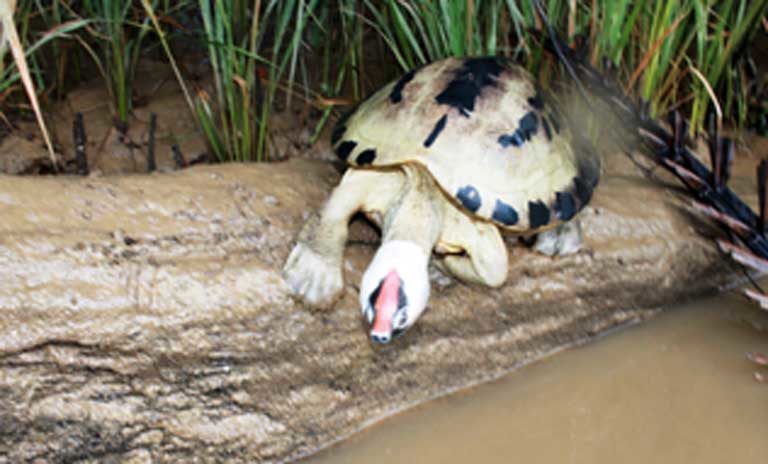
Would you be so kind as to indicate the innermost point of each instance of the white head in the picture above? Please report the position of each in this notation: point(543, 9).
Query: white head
point(395, 289)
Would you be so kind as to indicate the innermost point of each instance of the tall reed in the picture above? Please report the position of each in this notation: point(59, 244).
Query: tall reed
point(654, 44)
point(668, 52)
point(420, 31)
point(721, 28)
point(248, 64)
point(115, 41)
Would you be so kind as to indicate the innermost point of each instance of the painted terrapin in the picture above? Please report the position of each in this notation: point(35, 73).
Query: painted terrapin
point(442, 159)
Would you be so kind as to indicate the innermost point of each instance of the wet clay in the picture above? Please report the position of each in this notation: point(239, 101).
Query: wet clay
point(144, 317)
point(677, 389)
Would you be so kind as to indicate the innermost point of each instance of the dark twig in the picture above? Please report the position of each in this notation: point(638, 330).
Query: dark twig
point(178, 157)
point(78, 135)
point(762, 176)
point(151, 163)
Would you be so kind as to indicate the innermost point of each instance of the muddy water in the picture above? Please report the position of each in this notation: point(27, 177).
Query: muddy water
point(677, 389)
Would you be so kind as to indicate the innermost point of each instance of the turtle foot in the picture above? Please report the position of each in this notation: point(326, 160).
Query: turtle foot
point(563, 240)
point(315, 278)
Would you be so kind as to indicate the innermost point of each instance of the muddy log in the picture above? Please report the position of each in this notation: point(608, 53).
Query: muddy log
point(144, 317)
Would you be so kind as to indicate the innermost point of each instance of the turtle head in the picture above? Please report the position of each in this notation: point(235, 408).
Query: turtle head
point(395, 289)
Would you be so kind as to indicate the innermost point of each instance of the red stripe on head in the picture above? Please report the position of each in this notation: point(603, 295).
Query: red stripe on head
point(386, 303)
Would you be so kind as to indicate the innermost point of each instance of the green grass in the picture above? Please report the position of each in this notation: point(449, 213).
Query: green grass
point(235, 119)
point(114, 39)
point(720, 30)
point(30, 15)
point(310, 52)
point(420, 31)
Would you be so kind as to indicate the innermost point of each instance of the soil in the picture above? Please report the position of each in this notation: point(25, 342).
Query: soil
point(110, 151)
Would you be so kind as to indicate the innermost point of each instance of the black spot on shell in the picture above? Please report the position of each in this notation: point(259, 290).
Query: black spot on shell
point(337, 133)
point(469, 197)
point(468, 83)
point(529, 125)
point(345, 148)
point(510, 139)
point(436, 131)
point(536, 101)
point(547, 129)
point(538, 214)
point(366, 157)
point(504, 214)
point(582, 190)
point(565, 206)
point(396, 96)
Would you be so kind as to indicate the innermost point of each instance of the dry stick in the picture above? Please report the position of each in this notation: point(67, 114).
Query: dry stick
point(733, 225)
point(670, 152)
point(743, 256)
point(78, 135)
point(759, 297)
point(151, 163)
point(664, 147)
point(178, 157)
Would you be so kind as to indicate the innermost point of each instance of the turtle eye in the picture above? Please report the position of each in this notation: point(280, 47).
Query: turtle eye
point(369, 314)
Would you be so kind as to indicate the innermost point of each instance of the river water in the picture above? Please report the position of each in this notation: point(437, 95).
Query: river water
point(677, 389)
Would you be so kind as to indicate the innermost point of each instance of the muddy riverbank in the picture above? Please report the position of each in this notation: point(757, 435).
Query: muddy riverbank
point(144, 316)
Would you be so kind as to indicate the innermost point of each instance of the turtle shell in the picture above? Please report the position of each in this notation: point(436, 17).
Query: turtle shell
point(485, 133)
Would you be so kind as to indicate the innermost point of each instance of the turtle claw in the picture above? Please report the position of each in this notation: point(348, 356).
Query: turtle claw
point(563, 240)
point(313, 277)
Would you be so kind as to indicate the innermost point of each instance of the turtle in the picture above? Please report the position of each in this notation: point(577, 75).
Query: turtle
point(444, 159)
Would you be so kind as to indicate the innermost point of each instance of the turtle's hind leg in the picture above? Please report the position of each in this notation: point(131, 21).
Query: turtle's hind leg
point(484, 260)
point(564, 239)
point(313, 269)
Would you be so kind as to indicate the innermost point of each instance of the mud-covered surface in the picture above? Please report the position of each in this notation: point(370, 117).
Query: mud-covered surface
point(144, 318)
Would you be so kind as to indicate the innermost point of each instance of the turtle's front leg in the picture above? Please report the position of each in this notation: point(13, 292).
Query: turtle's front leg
point(313, 269)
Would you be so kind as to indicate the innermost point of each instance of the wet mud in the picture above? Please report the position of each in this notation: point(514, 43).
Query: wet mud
point(143, 317)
